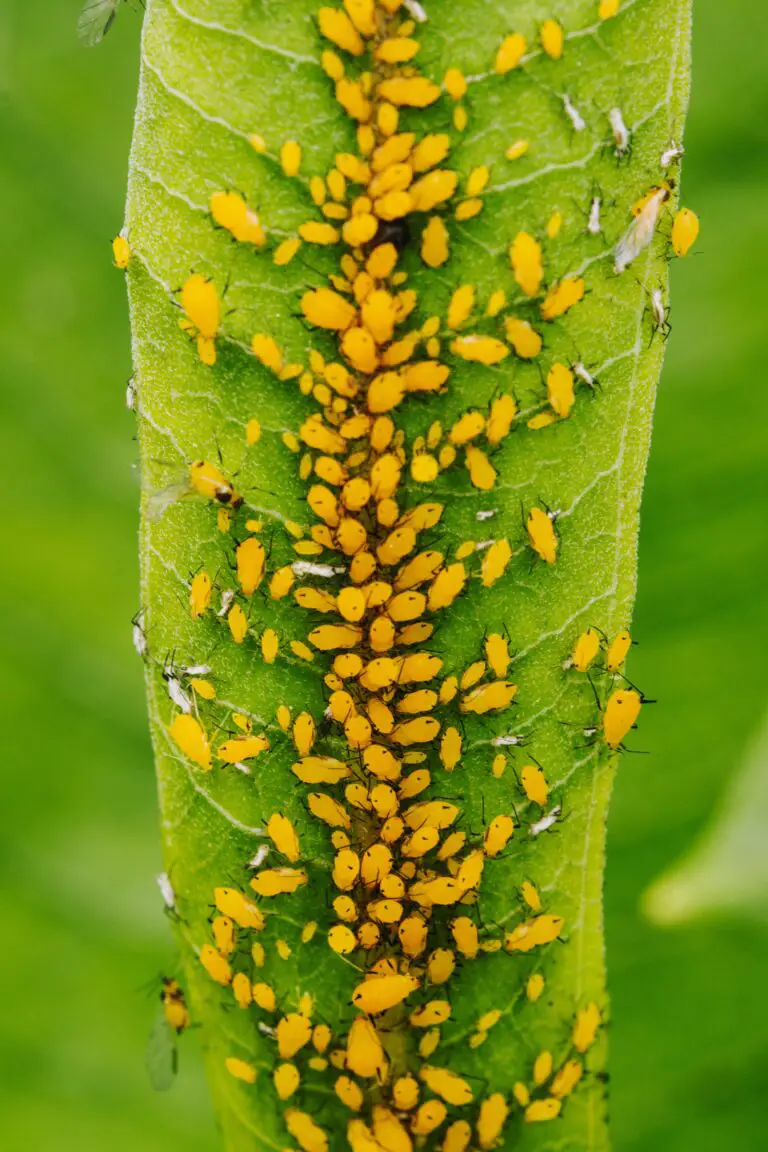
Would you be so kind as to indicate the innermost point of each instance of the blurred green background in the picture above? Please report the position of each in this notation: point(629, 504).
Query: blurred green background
point(83, 937)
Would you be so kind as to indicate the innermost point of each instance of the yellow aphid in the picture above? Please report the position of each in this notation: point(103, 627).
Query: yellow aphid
point(685, 229)
point(497, 835)
point(554, 224)
point(566, 1079)
point(521, 1094)
point(461, 305)
point(307, 933)
point(541, 535)
point(455, 83)
point(435, 188)
point(231, 212)
point(252, 432)
point(551, 34)
point(408, 92)
point(376, 864)
point(270, 645)
point(477, 180)
point(495, 562)
point(315, 232)
point(327, 309)
point(321, 1037)
point(451, 845)
point(539, 1110)
point(534, 784)
point(421, 730)
point(525, 258)
point(240, 1069)
point(251, 561)
point(121, 251)
point(301, 650)
point(286, 1080)
point(292, 1033)
point(208, 481)
point(342, 939)
point(542, 1067)
point(497, 654)
point(278, 881)
point(349, 1093)
point(533, 933)
point(200, 301)
point(405, 1093)
point(412, 934)
point(264, 997)
point(500, 418)
point(450, 749)
point(434, 243)
point(200, 594)
point(489, 697)
point(457, 1137)
point(560, 389)
point(188, 734)
point(471, 871)
point(430, 1014)
point(446, 586)
point(216, 965)
point(534, 987)
point(608, 8)
point(328, 810)
point(561, 297)
point(523, 337)
point(468, 209)
point(258, 954)
point(283, 835)
point(617, 650)
point(424, 468)
point(426, 376)
point(585, 650)
point(452, 1088)
point(481, 472)
point(491, 1119)
point(479, 349)
point(621, 713)
point(530, 894)
point(499, 765)
point(517, 149)
point(365, 1053)
point(470, 425)
point(346, 869)
point(308, 1135)
point(223, 934)
point(304, 732)
point(510, 53)
point(397, 50)
point(237, 907)
point(290, 157)
point(429, 1116)
point(286, 251)
point(440, 966)
point(381, 993)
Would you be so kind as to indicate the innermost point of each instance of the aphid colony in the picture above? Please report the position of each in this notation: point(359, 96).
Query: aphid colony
point(404, 874)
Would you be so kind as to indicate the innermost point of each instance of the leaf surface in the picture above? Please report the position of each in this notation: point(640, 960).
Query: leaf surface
point(212, 75)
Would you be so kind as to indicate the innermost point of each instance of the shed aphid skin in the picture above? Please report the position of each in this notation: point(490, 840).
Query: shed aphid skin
point(621, 136)
point(672, 154)
point(594, 227)
point(363, 860)
point(578, 123)
point(659, 312)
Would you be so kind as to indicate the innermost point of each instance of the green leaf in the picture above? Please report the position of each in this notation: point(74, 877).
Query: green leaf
point(213, 74)
point(725, 873)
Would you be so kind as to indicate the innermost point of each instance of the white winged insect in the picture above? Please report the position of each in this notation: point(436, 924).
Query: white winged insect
point(96, 19)
point(161, 1057)
point(641, 231)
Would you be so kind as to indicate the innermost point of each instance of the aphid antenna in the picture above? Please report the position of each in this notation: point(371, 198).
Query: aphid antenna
point(594, 692)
